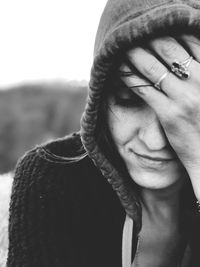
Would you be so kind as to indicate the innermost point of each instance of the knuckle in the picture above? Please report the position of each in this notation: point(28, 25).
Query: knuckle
point(144, 91)
point(171, 113)
point(152, 69)
point(172, 117)
point(169, 48)
point(167, 118)
point(190, 105)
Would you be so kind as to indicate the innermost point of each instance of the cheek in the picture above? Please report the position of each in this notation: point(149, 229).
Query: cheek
point(123, 124)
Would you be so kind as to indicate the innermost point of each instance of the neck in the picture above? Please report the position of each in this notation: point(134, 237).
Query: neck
point(162, 202)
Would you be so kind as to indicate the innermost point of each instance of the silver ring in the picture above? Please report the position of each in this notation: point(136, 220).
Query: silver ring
point(181, 68)
point(158, 83)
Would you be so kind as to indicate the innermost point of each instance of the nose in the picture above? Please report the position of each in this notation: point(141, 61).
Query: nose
point(152, 135)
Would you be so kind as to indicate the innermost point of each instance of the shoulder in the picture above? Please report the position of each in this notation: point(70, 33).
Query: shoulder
point(55, 173)
point(63, 159)
point(58, 202)
point(55, 165)
point(63, 150)
point(61, 169)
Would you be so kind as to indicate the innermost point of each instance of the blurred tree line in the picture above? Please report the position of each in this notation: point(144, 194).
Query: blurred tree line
point(34, 113)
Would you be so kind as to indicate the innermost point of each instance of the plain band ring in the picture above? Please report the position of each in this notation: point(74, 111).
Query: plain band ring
point(158, 83)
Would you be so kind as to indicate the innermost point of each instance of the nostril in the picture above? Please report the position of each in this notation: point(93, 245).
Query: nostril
point(141, 134)
point(130, 150)
point(153, 138)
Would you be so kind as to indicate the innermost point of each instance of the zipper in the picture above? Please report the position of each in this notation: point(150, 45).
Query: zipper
point(136, 258)
point(127, 242)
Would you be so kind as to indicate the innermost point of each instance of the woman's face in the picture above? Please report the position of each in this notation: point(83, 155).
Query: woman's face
point(141, 142)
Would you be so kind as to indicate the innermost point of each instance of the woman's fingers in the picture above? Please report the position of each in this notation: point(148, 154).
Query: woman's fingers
point(154, 98)
point(171, 50)
point(193, 45)
point(153, 69)
point(155, 64)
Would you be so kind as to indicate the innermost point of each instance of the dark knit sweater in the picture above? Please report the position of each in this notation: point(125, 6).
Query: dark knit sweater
point(71, 214)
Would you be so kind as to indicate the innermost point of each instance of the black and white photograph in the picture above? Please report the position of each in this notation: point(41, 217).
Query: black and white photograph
point(100, 133)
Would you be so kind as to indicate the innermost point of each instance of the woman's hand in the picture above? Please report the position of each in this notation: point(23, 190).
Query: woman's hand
point(178, 104)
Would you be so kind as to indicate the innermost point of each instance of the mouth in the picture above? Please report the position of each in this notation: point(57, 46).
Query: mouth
point(154, 162)
point(155, 158)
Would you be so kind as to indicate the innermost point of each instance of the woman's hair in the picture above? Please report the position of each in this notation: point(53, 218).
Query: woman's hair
point(104, 139)
point(102, 133)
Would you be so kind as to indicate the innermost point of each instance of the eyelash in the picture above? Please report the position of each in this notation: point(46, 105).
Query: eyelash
point(129, 102)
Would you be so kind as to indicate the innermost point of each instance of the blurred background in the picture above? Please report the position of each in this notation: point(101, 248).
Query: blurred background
point(46, 53)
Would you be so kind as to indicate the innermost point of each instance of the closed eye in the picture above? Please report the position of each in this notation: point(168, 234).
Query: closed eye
point(129, 100)
point(124, 95)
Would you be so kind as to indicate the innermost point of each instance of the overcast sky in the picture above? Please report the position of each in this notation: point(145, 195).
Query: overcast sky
point(47, 39)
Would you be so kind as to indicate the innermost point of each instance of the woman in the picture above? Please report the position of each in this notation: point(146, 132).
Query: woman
point(141, 131)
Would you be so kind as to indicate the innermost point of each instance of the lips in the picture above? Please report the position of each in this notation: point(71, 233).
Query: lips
point(154, 158)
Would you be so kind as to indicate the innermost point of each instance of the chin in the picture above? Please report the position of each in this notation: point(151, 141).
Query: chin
point(155, 180)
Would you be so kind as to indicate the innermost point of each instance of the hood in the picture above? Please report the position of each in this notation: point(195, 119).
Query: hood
point(123, 23)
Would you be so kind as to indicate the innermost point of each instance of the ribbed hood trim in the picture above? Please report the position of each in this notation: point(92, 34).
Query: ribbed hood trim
point(126, 33)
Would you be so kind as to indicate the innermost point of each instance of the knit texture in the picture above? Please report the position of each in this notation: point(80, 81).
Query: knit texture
point(58, 214)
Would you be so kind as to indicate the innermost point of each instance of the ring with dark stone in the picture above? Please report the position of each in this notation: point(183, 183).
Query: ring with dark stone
point(181, 68)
